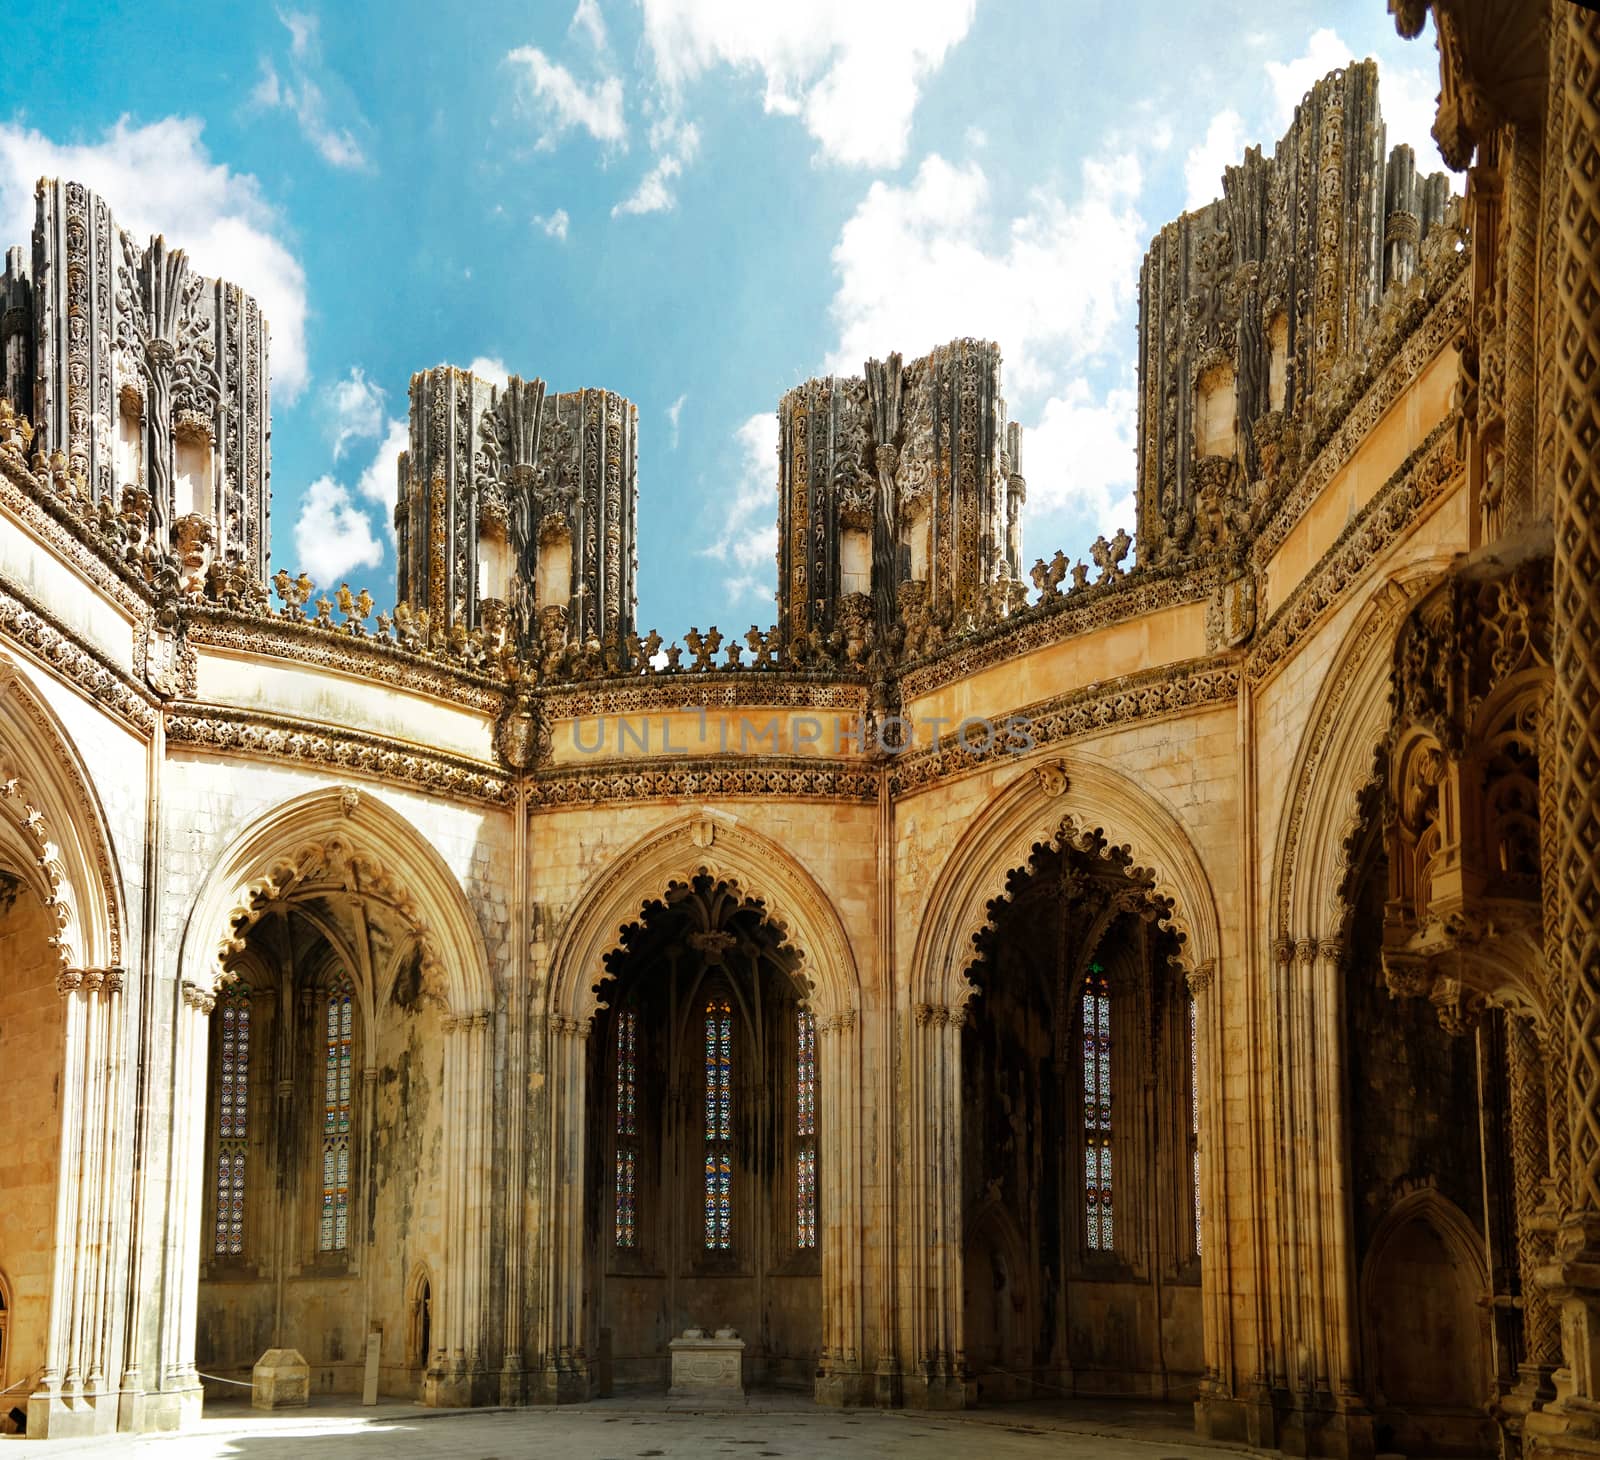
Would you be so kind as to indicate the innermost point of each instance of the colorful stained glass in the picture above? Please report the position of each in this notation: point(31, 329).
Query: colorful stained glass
point(805, 1081)
point(805, 1100)
point(1098, 1227)
point(626, 1225)
point(627, 1073)
point(1194, 1117)
point(719, 1125)
point(806, 1199)
point(233, 1112)
point(627, 1180)
point(333, 1231)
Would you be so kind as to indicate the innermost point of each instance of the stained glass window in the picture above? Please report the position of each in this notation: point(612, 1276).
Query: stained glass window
point(1194, 1116)
point(627, 1128)
point(233, 1114)
point(1098, 1219)
point(719, 1125)
point(805, 1099)
point(333, 1233)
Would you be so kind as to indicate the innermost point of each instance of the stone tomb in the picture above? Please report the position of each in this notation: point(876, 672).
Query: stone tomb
point(281, 1379)
point(708, 1367)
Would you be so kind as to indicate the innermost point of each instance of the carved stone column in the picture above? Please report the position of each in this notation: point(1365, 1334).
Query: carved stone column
point(936, 1378)
point(840, 1379)
point(71, 1397)
point(456, 1373)
point(1530, 1172)
point(1575, 1277)
point(564, 1372)
point(1216, 1331)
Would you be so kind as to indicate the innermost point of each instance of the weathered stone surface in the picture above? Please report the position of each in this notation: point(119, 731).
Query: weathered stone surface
point(281, 1379)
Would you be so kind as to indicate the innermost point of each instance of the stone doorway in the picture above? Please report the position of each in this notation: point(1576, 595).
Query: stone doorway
point(704, 1140)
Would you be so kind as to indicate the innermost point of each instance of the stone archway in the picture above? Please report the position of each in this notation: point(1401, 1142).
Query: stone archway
point(380, 903)
point(1425, 1329)
point(1048, 805)
point(718, 847)
point(76, 1015)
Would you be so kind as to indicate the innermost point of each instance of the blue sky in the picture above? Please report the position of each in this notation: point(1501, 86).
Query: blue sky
point(697, 203)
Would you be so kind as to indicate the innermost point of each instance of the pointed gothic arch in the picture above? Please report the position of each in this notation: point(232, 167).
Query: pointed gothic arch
point(1041, 805)
point(1050, 803)
point(53, 830)
point(339, 842)
point(55, 838)
point(1336, 761)
point(719, 846)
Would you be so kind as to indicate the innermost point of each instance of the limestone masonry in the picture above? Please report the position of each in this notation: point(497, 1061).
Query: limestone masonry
point(1174, 974)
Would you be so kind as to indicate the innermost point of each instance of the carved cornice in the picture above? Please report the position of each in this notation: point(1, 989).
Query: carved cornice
point(302, 641)
point(1392, 380)
point(739, 689)
point(281, 737)
point(1398, 506)
point(26, 623)
point(710, 777)
point(1144, 590)
point(35, 503)
point(1152, 695)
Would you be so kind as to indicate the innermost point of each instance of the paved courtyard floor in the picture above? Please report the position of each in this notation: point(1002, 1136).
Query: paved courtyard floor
point(622, 1430)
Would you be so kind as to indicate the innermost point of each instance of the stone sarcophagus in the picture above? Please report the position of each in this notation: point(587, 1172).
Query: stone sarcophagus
point(705, 1367)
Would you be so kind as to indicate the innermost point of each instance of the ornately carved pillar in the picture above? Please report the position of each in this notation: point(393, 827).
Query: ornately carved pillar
point(1216, 1331)
point(936, 1378)
point(83, 1316)
point(1530, 1172)
point(1576, 1280)
point(839, 1377)
point(456, 1371)
point(564, 1361)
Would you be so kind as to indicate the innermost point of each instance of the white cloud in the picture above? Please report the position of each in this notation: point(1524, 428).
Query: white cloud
point(378, 482)
point(588, 19)
point(333, 536)
point(747, 542)
point(675, 144)
point(674, 412)
point(1406, 93)
point(1078, 458)
point(304, 33)
point(564, 102)
point(492, 368)
point(159, 178)
point(302, 94)
point(851, 71)
point(356, 410)
point(553, 224)
point(914, 272)
point(1222, 146)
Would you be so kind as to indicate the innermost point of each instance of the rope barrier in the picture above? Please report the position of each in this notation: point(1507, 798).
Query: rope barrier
point(20, 1384)
point(218, 1379)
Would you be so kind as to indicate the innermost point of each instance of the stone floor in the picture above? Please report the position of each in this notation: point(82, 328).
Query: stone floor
point(623, 1429)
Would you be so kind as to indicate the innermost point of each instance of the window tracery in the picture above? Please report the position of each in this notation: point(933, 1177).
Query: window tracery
point(719, 1124)
point(806, 1130)
point(333, 1232)
point(1194, 1118)
point(627, 1102)
point(233, 1115)
point(1099, 1231)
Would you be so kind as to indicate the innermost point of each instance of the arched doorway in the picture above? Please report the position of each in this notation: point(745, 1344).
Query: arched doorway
point(334, 1059)
point(703, 1139)
point(1418, 1095)
point(32, 1048)
point(324, 1132)
point(1080, 1122)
